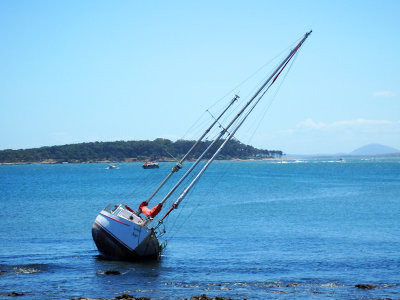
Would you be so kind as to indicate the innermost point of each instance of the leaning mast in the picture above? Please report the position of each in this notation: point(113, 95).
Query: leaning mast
point(178, 166)
point(259, 93)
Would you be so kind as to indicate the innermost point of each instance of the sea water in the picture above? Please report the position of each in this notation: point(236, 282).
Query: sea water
point(249, 229)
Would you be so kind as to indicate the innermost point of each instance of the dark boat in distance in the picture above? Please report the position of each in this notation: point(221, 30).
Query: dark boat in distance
point(124, 234)
point(150, 165)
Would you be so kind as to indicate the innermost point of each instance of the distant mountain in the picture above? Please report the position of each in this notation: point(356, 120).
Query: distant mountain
point(374, 149)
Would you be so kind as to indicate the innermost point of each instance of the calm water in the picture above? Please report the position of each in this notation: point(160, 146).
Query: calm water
point(248, 230)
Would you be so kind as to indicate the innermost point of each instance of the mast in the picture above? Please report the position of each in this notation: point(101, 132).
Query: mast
point(258, 94)
point(178, 166)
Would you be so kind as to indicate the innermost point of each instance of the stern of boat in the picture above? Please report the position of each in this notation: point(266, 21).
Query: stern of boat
point(120, 234)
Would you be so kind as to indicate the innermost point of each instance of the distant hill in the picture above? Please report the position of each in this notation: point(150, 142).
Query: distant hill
point(159, 149)
point(374, 149)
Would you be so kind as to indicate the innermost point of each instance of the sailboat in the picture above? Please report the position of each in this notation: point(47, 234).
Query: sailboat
point(122, 233)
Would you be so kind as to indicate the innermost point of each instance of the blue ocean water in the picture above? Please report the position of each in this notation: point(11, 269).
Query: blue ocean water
point(250, 229)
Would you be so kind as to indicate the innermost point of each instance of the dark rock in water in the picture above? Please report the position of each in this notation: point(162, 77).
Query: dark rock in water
point(123, 297)
point(202, 297)
point(2, 272)
point(205, 297)
point(130, 297)
point(15, 294)
point(365, 286)
point(112, 272)
point(292, 284)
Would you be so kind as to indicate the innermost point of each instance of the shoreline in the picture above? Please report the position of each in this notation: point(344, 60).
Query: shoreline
point(54, 162)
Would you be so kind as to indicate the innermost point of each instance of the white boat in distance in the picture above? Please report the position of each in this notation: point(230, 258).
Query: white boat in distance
point(121, 233)
point(112, 167)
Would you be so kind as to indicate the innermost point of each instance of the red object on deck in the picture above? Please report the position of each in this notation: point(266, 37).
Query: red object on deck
point(150, 212)
point(128, 208)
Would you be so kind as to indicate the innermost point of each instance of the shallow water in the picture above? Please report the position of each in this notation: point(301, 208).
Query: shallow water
point(255, 230)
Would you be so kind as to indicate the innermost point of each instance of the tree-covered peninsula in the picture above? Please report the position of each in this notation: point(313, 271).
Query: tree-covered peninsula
point(159, 149)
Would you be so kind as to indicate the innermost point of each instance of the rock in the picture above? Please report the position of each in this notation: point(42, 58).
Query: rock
point(84, 298)
point(130, 297)
point(205, 297)
point(365, 286)
point(114, 272)
point(292, 284)
point(15, 294)
point(202, 297)
point(123, 297)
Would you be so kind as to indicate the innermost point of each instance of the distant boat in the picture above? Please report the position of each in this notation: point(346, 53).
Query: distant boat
point(112, 167)
point(150, 165)
point(122, 233)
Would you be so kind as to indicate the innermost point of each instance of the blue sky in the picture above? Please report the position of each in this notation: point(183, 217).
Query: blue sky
point(79, 71)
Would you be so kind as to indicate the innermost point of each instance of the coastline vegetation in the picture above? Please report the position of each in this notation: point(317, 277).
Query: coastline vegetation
point(159, 149)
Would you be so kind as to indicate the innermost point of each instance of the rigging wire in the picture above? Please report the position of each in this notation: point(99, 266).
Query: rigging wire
point(164, 149)
point(273, 97)
point(254, 73)
point(247, 90)
point(281, 66)
point(175, 225)
point(192, 175)
point(244, 81)
point(141, 182)
point(236, 87)
point(183, 186)
point(255, 86)
point(174, 229)
point(265, 110)
point(194, 124)
point(173, 157)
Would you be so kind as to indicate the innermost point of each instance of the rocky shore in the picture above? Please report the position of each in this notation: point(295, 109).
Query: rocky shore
point(360, 286)
point(130, 297)
point(205, 297)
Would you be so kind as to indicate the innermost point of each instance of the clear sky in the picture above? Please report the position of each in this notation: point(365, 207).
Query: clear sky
point(80, 71)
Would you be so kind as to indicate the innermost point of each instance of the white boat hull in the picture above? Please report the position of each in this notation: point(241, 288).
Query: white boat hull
point(120, 235)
